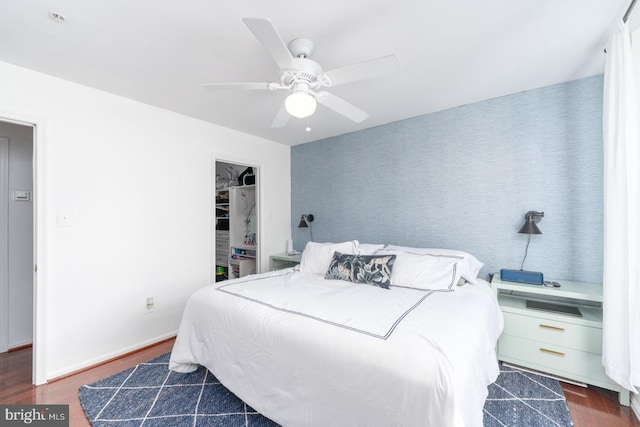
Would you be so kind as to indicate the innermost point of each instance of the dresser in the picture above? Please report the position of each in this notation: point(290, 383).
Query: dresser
point(555, 330)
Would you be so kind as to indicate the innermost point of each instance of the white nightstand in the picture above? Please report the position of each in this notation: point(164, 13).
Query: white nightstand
point(280, 261)
point(564, 345)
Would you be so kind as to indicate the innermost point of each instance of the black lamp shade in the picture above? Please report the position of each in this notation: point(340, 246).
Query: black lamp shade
point(530, 227)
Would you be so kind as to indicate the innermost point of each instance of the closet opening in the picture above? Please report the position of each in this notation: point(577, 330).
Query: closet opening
point(236, 216)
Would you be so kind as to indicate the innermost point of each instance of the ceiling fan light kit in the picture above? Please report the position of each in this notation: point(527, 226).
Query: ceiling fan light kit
point(300, 104)
point(304, 77)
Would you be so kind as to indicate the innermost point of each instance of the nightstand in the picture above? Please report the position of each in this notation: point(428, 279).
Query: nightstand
point(280, 261)
point(549, 340)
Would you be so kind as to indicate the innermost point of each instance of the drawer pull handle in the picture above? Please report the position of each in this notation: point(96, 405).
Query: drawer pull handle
point(555, 353)
point(553, 328)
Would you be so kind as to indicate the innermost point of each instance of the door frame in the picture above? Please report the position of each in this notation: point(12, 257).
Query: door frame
point(4, 244)
point(39, 367)
point(257, 172)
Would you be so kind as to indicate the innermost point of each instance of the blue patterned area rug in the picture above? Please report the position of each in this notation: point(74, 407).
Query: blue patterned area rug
point(152, 396)
point(520, 398)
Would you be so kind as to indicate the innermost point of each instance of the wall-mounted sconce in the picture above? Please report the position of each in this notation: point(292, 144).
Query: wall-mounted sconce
point(530, 227)
point(305, 222)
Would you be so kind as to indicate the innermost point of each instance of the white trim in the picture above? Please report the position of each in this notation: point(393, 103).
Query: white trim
point(4, 244)
point(635, 405)
point(40, 242)
point(40, 256)
point(112, 355)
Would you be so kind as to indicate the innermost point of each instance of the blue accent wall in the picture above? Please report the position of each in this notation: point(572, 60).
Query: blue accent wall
point(464, 178)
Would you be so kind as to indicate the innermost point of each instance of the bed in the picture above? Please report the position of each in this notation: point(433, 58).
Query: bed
point(314, 346)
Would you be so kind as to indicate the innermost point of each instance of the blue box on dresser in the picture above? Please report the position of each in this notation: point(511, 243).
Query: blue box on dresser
point(521, 276)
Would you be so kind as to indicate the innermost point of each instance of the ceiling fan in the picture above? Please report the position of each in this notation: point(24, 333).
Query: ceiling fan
point(304, 78)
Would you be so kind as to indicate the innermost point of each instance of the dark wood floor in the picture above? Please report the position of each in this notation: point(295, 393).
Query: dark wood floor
point(591, 407)
point(16, 387)
point(597, 407)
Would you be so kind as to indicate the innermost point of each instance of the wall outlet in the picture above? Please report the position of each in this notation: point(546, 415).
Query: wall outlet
point(149, 303)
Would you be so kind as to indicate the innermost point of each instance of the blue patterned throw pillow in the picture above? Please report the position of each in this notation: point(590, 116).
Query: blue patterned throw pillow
point(367, 269)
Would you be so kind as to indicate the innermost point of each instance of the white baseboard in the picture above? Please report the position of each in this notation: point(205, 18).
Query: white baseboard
point(113, 355)
point(635, 404)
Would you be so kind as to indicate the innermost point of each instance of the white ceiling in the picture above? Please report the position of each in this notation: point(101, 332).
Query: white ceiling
point(451, 53)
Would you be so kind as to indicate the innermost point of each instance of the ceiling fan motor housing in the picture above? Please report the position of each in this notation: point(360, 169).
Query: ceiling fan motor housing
point(308, 72)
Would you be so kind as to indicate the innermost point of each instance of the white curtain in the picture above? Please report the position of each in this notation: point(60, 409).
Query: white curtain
point(621, 292)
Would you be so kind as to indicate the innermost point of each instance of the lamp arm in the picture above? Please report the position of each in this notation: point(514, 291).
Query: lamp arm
point(534, 216)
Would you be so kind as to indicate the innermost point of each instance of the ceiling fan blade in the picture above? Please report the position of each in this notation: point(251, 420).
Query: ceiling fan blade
point(281, 118)
point(268, 35)
point(364, 70)
point(236, 86)
point(341, 106)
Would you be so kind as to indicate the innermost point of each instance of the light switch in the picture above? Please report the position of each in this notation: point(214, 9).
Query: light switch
point(65, 218)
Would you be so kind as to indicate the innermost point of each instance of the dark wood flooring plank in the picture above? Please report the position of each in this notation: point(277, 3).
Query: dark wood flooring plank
point(595, 407)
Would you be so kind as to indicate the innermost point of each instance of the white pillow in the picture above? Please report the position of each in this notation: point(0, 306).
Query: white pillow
point(316, 257)
point(368, 248)
point(423, 271)
point(469, 265)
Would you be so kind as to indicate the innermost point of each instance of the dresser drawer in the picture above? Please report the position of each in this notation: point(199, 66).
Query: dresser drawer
point(558, 360)
point(570, 335)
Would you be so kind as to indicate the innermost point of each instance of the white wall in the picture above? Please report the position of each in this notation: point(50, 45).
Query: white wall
point(20, 235)
point(135, 180)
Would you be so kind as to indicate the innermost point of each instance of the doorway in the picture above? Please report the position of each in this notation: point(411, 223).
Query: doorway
point(236, 236)
point(21, 246)
point(17, 224)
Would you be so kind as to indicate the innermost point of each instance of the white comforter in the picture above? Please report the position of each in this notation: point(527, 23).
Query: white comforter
point(305, 351)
